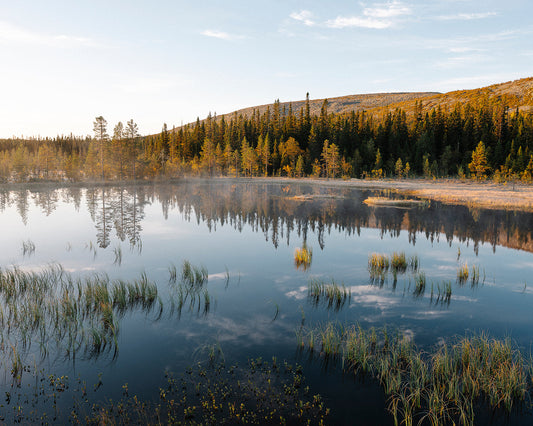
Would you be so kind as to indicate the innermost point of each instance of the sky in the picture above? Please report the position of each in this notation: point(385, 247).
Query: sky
point(64, 62)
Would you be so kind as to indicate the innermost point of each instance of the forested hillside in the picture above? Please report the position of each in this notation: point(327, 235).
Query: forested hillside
point(483, 133)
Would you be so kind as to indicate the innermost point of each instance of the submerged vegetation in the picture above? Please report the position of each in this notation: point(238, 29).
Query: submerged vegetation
point(446, 385)
point(210, 392)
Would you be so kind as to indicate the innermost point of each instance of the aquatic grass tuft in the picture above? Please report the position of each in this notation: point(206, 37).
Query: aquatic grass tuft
point(303, 257)
point(378, 262)
point(28, 248)
point(439, 387)
point(398, 262)
point(333, 294)
point(51, 307)
point(420, 284)
point(464, 273)
point(191, 288)
point(118, 255)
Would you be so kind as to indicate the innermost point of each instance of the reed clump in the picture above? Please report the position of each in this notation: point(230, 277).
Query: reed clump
point(444, 386)
point(332, 294)
point(464, 273)
point(397, 262)
point(303, 257)
point(380, 265)
point(443, 293)
point(51, 307)
point(28, 248)
point(190, 290)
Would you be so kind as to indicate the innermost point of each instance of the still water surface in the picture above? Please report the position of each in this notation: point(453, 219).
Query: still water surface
point(249, 232)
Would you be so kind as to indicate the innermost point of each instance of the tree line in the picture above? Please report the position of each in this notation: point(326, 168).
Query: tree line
point(477, 139)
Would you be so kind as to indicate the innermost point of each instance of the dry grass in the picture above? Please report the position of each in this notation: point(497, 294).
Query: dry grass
point(384, 201)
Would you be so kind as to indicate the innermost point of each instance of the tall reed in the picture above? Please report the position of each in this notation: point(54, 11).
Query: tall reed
point(446, 385)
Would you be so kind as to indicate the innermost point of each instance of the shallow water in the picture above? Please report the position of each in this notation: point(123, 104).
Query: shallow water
point(249, 231)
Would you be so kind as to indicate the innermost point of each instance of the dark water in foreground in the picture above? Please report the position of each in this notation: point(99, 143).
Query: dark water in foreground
point(245, 235)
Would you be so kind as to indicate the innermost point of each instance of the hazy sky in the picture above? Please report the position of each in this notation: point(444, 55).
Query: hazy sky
point(62, 63)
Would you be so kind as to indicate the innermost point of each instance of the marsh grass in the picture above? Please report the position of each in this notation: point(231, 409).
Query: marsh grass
point(442, 293)
point(303, 257)
point(190, 289)
point(420, 284)
point(464, 273)
point(28, 248)
point(332, 295)
point(51, 308)
point(118, 255)
point(444, 386)
point(92, 248)
point(380, 264)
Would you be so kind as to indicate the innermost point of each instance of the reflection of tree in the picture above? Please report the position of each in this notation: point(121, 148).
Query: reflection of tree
point(133, 215)
point(121, 209)
point(279, 212)
point(46, 200)
point(103, 221)
point(21, 201)
point(91, 196)
point(73, 196)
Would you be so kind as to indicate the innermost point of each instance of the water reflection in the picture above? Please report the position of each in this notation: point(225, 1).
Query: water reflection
point(277, 211)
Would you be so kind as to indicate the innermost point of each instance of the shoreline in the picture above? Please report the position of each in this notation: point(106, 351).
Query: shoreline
point(473, 194)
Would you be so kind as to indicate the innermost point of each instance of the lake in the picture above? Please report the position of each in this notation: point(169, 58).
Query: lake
point(244, 297)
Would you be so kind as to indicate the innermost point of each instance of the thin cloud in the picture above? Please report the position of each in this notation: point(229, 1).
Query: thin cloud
point(221, 35)
point(387, 10)
point(466, 16)
point(303, 16)
point(14, 34)
point(380, 16)
point(354, 21)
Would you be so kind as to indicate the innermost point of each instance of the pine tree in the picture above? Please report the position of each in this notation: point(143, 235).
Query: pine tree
point(101, 136)
point(479, 165)
point(132, 134)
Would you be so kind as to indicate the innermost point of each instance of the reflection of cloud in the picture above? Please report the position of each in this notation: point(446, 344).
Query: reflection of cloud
point(284, 279)
point(446, 268)
point(423, 315)
point(218, 276)
point(408, 334)
point(251, 331)
point(15, 34)
point(370, 295)
point(298, 294)
point(464, 299)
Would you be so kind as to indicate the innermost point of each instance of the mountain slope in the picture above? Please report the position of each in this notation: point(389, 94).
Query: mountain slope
point(514, 94)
